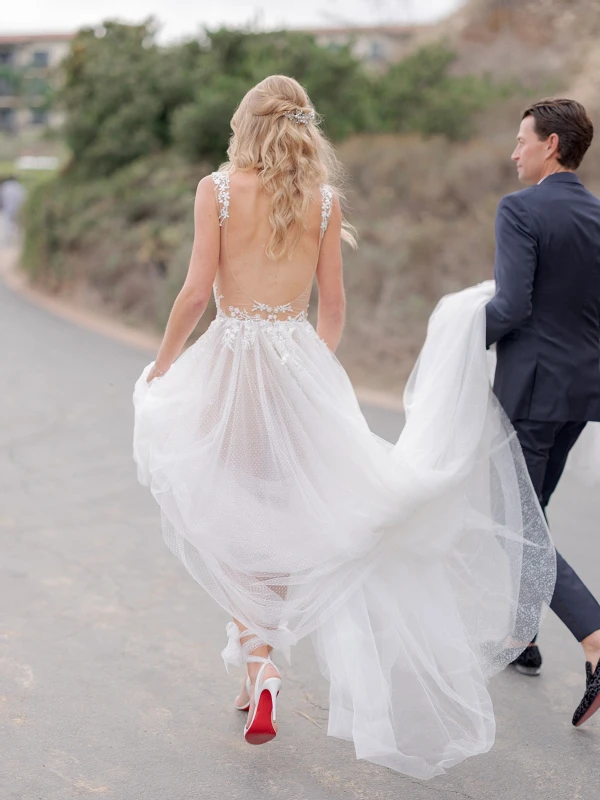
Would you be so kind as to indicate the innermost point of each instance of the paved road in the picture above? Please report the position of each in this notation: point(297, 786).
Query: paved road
point(111, 683)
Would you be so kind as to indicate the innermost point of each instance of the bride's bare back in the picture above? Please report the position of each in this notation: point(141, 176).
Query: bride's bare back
point(248, 282)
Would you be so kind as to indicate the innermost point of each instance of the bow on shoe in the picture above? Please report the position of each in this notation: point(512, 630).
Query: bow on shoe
point(233, 653)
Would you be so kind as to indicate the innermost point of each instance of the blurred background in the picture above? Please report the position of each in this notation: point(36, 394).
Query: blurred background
point(110, 114)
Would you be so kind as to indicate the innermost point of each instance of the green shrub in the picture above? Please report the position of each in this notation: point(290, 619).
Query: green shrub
point(127, 98)
point(116, 235)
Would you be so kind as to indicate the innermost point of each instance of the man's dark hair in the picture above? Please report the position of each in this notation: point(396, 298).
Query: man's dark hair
point(569, 120)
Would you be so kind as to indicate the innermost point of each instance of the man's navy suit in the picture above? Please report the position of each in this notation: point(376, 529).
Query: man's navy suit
point(545, 321)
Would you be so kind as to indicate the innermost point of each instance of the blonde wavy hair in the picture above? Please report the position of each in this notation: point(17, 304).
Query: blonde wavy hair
point(292, 158)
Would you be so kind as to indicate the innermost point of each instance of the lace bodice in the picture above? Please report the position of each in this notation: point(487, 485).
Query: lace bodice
point(249, 287)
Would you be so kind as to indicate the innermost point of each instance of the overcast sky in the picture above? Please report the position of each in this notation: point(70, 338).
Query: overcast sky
point(185, 17)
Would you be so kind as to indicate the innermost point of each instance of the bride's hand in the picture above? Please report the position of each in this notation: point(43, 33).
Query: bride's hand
point(155, 372)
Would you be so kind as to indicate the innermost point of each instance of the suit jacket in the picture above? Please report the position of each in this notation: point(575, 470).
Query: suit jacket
point(545, 316)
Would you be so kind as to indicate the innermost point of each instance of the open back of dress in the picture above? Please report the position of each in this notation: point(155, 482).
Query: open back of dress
point(249, 284)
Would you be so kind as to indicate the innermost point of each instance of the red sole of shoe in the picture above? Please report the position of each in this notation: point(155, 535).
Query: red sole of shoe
point(261, 730)
point(591, 710)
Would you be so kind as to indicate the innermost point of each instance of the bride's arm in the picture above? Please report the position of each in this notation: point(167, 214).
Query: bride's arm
point(193, 298)
point(332, 301)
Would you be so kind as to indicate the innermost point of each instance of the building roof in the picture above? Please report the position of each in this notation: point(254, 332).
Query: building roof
point(388, 30)
point(26, 38)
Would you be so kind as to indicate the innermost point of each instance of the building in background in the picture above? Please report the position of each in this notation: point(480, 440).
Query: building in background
point(27, 64)
point(377, 46)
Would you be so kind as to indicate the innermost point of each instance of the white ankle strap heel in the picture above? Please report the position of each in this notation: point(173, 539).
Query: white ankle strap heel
point(260, 728)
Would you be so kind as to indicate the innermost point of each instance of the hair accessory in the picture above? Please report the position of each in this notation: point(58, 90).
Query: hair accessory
point(300, 117)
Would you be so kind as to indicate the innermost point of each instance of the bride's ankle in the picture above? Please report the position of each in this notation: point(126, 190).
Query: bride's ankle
point(270, 671)
point(257, 654)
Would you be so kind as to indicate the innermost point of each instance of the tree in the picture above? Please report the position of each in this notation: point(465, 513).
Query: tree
point(127, 98)
point(421, 95)
point(113, 97)
point(235, 61)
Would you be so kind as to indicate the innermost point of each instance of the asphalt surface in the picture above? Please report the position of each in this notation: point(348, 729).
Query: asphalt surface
point(111, 683)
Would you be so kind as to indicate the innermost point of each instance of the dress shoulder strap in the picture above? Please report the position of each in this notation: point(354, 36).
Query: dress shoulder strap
point(326, 205)
point(221, 183)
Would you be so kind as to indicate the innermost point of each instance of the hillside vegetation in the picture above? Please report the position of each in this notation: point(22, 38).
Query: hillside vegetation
point(427, 148)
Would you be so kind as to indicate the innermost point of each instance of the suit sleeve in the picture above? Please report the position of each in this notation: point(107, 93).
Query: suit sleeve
point(514, 270)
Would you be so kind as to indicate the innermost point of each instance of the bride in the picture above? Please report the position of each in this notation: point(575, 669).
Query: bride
point(419, 569)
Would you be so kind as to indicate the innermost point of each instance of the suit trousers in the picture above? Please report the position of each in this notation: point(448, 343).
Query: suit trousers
point(546, 446)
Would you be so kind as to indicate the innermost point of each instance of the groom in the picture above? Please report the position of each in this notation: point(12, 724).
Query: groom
point(545, 322)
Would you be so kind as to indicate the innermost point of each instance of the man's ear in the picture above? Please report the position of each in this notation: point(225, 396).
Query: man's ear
point(552, 145)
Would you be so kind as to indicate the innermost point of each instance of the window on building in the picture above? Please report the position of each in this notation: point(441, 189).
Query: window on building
point(40, 59)
point(376, 50)
point(35, 87)
point(39, 116)
point(7, 87)
point(7, 119)
point(6, 57)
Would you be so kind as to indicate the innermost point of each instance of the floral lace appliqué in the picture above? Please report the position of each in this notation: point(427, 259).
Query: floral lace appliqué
point(239, 322)
point(326, 206)
point(221, 181)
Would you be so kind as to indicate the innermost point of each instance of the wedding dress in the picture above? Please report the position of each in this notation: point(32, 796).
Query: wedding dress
point(419, 568)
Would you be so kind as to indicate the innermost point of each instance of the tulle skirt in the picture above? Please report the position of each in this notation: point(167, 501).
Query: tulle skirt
point(419, 568)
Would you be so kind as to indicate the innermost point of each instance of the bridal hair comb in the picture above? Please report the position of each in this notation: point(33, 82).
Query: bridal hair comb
point(300, 117)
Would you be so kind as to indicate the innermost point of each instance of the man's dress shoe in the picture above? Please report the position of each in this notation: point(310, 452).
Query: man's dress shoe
point(529, 662)
point(591, 699)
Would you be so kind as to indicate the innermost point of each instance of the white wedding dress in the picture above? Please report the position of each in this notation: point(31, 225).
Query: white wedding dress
point(420, 568)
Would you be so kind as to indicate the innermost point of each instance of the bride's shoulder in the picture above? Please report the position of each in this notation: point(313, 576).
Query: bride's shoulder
point(206, 185)
point(212, 197)
point(220, 179)
point(327, 195)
